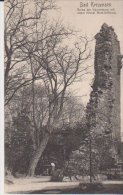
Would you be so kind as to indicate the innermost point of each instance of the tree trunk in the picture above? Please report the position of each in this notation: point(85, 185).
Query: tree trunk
point(37, 155)
point(43, 144)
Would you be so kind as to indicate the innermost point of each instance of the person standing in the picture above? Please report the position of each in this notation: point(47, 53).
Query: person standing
point(52, 167)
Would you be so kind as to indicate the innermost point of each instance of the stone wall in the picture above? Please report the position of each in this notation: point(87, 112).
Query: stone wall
point(103, 109)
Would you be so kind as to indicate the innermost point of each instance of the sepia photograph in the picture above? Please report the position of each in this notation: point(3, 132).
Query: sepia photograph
point(63, 97)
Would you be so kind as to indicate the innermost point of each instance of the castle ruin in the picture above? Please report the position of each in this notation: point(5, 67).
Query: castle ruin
point(103, 109)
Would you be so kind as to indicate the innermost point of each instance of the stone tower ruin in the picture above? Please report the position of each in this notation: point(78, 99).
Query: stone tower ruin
point(103, 109)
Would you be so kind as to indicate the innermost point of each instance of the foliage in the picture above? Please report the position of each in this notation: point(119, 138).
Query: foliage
point(61, 144)
point(21, 144)
point(94, 153)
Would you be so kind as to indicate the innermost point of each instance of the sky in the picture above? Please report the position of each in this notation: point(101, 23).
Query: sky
point(90, 25)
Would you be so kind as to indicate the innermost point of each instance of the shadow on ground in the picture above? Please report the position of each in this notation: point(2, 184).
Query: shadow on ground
point(105, 189)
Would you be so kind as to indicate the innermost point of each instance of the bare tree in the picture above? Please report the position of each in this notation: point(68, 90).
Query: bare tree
point(73, 111)
point(18, 19)
point(38, 50)
point(58, 67)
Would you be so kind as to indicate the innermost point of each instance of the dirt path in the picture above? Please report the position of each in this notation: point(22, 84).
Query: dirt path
point(36, 184)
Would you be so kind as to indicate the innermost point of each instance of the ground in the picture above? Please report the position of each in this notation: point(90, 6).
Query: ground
point(41, 185)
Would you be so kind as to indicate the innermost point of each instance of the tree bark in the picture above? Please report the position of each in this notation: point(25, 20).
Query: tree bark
point(37, 155)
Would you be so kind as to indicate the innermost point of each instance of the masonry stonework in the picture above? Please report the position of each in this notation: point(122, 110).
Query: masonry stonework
point(103, 109)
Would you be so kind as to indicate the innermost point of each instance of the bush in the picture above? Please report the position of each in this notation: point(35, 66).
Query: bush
point(57, 175)
point(91, 186)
